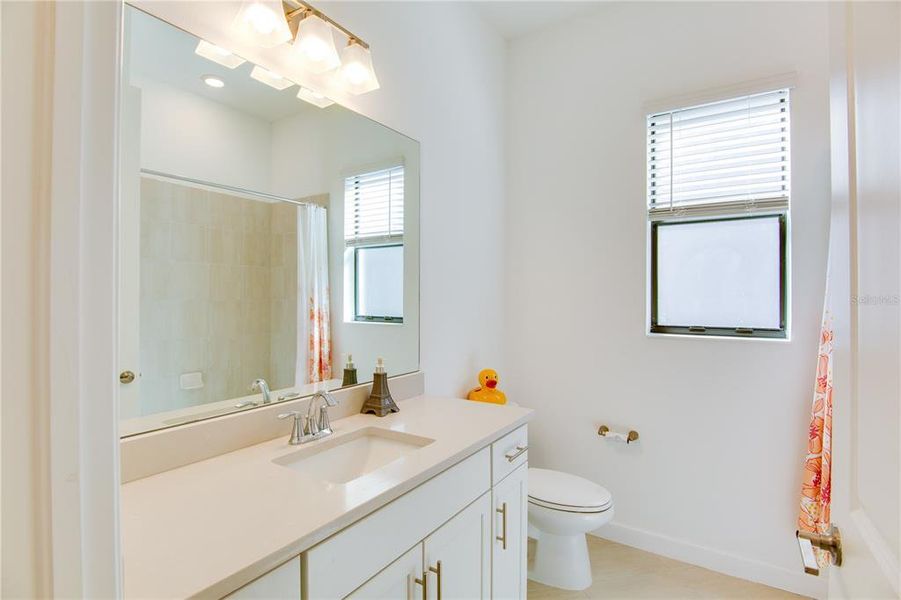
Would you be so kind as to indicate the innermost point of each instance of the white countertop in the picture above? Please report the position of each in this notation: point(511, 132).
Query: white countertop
point(210, 527)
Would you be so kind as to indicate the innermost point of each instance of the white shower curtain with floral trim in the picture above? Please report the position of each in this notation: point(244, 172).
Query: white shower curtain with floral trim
point(314, 339)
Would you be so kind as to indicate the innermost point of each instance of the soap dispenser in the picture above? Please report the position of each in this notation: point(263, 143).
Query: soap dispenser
point(350, 372)
point(380, 402)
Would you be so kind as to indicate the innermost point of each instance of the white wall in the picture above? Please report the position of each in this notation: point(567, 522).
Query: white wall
point(188, 135)
point(25, 504)
point(716, 476)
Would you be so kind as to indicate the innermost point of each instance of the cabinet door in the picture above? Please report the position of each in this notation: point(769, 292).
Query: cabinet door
point(281, 583)
point(509, 541)
point(458, 554)
point(397, 581)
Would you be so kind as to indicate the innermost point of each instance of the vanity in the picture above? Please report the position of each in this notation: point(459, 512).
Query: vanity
point(429, 502)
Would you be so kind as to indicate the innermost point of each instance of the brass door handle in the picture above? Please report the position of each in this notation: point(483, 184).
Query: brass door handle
point(503, 537)
point(424, 582)
point(831, 542)
point(126, 377)
point(437, 571)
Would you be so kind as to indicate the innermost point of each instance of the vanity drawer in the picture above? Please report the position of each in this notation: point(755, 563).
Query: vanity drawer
point(340, 564)
point(509, 452)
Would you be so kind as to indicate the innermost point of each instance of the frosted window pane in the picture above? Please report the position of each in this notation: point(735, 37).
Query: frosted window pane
point(380, 281)
point(719, 274)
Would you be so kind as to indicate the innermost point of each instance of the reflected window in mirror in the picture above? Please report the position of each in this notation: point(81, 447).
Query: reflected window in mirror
point(374, 242)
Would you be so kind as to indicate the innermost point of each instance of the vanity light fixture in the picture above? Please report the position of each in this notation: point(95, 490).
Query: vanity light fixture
point(218, 55)
point(262, 22)
point(269, 78)
point(213, 81)
point(314, 97)
point(315, 45)
point(314, 42)
point(356, 73)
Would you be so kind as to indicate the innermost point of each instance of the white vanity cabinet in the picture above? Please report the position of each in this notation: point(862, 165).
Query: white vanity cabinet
point(280, 582)
point(459, 535)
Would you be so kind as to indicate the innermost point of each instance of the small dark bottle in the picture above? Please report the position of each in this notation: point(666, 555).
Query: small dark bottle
point(350, 372)
point(380, 402)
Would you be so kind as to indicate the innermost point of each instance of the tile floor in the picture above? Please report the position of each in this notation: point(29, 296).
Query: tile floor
point(623, 572)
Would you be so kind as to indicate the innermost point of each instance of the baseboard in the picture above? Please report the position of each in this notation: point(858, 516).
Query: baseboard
point(715, 560)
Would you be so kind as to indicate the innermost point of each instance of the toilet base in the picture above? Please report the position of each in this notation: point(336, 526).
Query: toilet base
point(561, 561)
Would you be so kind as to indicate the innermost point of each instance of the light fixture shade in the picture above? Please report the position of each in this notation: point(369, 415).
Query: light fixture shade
point(218, 55)
point(356, 74)
point(262, 23)
point(315, 45)
point(313, 97)
point(269, 78)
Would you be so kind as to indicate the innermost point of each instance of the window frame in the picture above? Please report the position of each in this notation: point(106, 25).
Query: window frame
point(358, 318)
point(734, 332)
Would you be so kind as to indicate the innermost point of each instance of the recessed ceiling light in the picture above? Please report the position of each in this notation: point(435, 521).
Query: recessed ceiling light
point(213, 81)
point(218, 54)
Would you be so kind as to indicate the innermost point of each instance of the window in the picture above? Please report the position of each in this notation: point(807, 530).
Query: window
point(718, 200)
point(374, 239)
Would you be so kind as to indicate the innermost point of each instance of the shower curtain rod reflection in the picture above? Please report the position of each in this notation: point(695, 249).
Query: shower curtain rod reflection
point(223, 187)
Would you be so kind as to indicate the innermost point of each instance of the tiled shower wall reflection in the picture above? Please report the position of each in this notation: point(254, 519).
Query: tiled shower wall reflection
point(218, 294)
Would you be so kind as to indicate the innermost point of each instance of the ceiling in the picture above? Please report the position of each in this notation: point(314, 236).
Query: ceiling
point(516, 18)
point(165, 54)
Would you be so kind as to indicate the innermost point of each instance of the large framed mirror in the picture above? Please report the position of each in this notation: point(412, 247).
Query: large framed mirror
point(268, 238)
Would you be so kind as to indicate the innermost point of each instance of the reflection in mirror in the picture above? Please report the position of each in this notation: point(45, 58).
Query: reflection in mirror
point(264, 240)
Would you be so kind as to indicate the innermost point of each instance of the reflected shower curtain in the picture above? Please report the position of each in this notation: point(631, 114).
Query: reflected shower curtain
point(816, 487)
point(314, 339)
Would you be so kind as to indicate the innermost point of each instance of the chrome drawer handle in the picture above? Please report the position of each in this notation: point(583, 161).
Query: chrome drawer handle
point(514, 454)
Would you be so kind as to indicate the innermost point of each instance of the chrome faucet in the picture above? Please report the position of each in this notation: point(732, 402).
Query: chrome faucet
point(311, 426)
point(261, 386)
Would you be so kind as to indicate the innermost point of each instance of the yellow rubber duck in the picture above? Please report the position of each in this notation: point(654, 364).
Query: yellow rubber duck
point(487, 390)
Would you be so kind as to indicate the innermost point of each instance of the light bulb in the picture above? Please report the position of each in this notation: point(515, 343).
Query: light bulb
point(315, 45)
point(218, 55)
point(356, 73)
point(263, 22)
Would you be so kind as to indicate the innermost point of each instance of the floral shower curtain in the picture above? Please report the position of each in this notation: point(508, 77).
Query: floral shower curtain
point(314, 339)
point(816, 488)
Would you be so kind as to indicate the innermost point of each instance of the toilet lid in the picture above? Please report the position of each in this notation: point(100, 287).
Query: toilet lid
point(563, 491)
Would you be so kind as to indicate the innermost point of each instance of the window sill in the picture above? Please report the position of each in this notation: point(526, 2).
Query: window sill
point(743, 338)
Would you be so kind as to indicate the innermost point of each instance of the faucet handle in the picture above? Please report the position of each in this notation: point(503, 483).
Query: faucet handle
point(324, 423)
point(298, 430)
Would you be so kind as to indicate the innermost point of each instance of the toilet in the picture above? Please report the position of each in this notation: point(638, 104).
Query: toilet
point(562, 509)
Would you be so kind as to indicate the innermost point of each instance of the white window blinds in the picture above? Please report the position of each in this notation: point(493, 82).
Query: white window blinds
point(374, 207)
point(720, 156)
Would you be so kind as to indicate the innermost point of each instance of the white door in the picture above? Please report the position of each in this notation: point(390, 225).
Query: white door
point(401, 580)
point(510, 537)
point(864, 288)
point(458, 555)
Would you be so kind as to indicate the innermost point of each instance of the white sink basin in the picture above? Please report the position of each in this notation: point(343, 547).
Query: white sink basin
point(343, 459)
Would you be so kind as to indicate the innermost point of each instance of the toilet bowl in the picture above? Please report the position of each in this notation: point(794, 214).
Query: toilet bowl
point(562, 509)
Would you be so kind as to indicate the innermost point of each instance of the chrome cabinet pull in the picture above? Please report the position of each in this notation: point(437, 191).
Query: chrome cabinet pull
point(503, 538)
point(424, 582)
point(514, 454)
point(437, 571)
